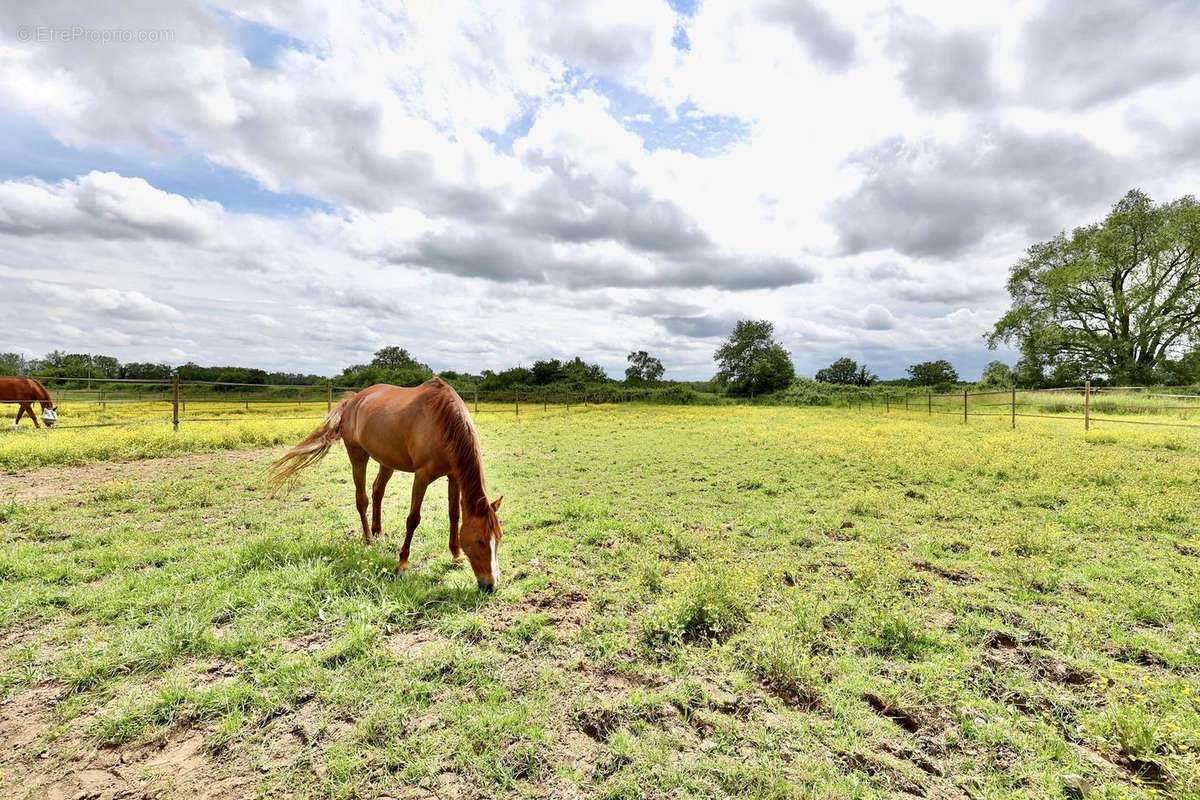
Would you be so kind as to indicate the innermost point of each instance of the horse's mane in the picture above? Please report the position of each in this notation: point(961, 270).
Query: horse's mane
point(43, 393)
point(465, 458)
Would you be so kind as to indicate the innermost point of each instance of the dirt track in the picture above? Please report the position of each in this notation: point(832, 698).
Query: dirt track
point(61, 480)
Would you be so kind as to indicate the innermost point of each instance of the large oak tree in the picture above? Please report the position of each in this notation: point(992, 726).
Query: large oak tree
point(751, 361)
point(1115, 299)
point(643, 368)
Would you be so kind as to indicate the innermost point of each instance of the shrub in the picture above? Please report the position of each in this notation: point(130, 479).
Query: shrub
point(783, 662)
point(680, 395)
point(893, 632)
point(711, 606)
point(802, 392)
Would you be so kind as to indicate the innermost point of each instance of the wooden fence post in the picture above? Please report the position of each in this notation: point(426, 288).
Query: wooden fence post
point(476, 399)
point(1087, 405)
point(329, 397)
point(906, 401)
point(964, 406)
point(175, 404)
point(929, 401)
point(1014, 408)
point(887, 403)
point(517, 398)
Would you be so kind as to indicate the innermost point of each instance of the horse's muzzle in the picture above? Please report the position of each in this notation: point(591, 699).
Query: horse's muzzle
point(485, 587)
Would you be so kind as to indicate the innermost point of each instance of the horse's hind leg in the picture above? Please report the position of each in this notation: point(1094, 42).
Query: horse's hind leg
point(358, 465)
point(377, 489)
point(22, 410)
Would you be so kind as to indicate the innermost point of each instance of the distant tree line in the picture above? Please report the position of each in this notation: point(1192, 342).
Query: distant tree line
point(1115, 302)
point(58, 364)
point(392, 364)
point(751, 363)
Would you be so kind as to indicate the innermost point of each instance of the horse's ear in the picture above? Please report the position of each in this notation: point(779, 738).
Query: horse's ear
point(496, 503)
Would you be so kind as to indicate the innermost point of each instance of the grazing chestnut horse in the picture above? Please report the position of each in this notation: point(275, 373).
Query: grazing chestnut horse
point(26, 392)
point(424, 430)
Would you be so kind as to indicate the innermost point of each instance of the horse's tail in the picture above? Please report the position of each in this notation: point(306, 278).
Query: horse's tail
point(310, 450)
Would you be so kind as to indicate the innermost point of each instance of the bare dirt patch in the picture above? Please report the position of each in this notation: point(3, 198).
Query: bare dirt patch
point(23, 720)
point(43, 757)
point(44, 483)
point(308, 643)
point(1005, 650)
point(952, 575)
point(907, 720)
point(17, 637)
point(411, 645)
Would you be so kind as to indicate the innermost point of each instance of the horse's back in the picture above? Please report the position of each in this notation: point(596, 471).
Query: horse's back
point(22, 389)
point(398, 425)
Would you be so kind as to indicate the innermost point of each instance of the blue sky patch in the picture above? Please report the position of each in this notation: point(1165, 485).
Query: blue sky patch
point(685, 7)
point(260, 44)
point(687, 129)
point(31, 152)
point(680, 39)
point(516, 128)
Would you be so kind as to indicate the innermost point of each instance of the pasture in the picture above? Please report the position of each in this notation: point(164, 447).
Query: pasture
point(744, 602)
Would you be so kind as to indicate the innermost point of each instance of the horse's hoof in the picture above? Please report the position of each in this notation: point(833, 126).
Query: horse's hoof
point(401, 567)
point(456, 558)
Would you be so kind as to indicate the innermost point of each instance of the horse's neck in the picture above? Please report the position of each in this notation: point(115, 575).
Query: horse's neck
point(462, 447)
point(470, 485)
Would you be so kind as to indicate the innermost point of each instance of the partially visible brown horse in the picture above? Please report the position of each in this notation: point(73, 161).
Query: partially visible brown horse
point(26, 392)
point(424, 430)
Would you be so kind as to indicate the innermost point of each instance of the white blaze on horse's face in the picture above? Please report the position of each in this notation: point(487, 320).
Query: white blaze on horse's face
point(495, 542)
point(480, 539)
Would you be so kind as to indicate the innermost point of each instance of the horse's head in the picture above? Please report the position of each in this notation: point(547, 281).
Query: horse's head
point(479, 537)
point(49, 414)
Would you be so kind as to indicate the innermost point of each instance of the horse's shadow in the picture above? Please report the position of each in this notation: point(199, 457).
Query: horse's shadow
point(428, 590)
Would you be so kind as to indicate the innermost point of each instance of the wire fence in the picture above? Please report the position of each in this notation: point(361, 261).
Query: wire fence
point(84, 402)
point(1089, 405)
point(111, 402)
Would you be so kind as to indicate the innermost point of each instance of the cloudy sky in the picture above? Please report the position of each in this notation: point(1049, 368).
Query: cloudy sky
point(293, 186)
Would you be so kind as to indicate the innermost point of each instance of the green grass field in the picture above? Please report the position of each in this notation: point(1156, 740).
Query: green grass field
point(695, 602)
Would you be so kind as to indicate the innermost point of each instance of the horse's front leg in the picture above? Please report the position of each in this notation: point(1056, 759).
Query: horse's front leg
point(455, 550)
point(377, 489)
point(420, 483)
